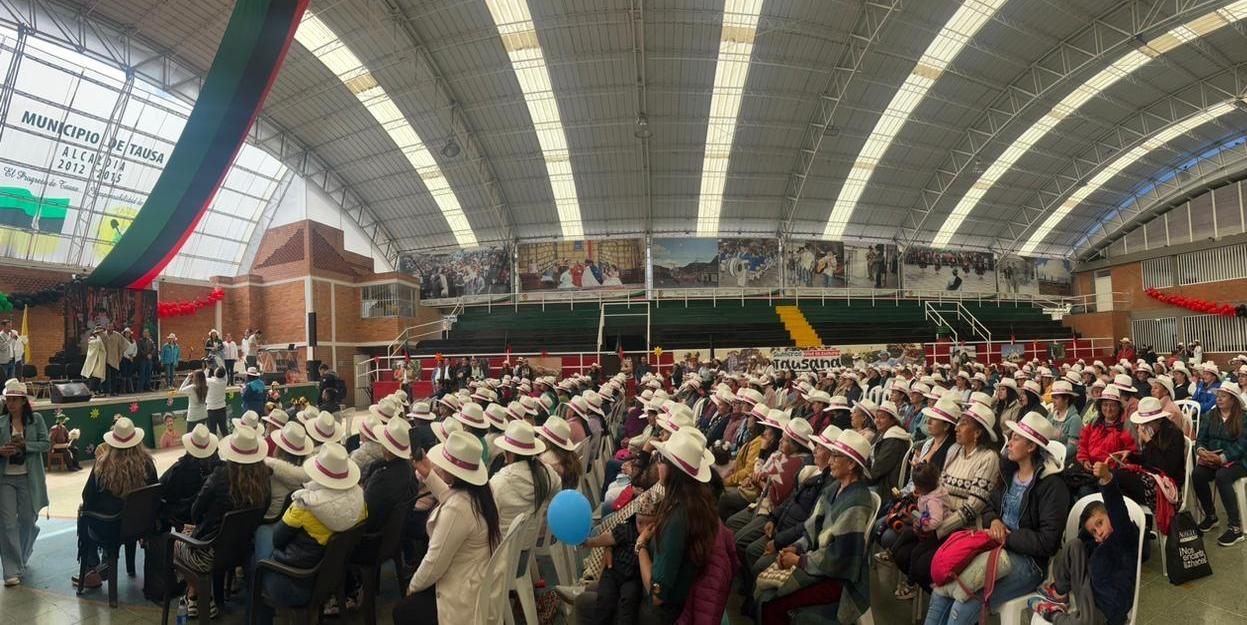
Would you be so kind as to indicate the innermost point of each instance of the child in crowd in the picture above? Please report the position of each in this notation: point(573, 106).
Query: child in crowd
point(1099, 568)
point(618, 596)
point(928, 513)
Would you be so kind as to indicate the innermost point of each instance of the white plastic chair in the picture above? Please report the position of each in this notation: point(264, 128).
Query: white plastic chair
point(492, 601)
point(875, 394)
point(1012, 611)
point(1191, 410)
point(521, 580)
point(903, 479)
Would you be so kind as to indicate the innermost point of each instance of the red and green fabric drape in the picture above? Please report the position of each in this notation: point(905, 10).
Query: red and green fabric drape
point(246, 63)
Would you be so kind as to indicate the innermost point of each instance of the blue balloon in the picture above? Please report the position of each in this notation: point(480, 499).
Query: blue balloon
point(570, 517)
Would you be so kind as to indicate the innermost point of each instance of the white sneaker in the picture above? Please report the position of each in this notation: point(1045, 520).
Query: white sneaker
point(12, 581)
point(569, 593)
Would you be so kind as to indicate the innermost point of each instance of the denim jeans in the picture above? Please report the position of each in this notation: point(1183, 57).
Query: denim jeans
point(1022, 580)
point(145, 374)
point(17, 524)
point(169, 374)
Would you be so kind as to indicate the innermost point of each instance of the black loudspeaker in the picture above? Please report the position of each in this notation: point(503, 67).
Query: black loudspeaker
point(70, 393)
point(311, 329)
point(313, 371)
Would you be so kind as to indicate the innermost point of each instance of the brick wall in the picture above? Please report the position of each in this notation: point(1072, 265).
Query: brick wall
point(46, 323)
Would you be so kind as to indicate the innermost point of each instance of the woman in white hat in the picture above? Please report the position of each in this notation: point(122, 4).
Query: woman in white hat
point(971, 473)
point(293, 446)
point(1008, 400)
point(1107, 435)
point(1220, 453)
point(747, 476)
point(863, 419)
point(524, 483)
point(250, 420)
point(685, 528)
point(560, 453)
point(24, 446)
point(126, 467)
point(778, 477)
point(1162, 452)
point(1027, 516)
point(832, 583)
point(331, 502)
point(183, 481)
point(1206, 389)
point(578, 415)
point(1182, 386)
point(496, 415)
point(464, 530)
point(421, 418)
point(889, 449)
point(916, 426)
point(1064, 417)
point(241, 482)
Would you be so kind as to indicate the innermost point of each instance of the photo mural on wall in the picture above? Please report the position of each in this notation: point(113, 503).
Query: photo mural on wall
point(482, 271)
point(749, 263)
point(685, 263)
point(581, 265)
point(1034, 276)
point(964, 271)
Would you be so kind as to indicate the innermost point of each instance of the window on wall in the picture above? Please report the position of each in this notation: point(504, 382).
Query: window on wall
point(1158, 272)
point(1161, 334)
point(387, 300)
point(1213, 265)
point(1216, 333)
point(71, 183)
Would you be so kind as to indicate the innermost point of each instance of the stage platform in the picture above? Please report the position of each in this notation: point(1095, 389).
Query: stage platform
point(95, 416)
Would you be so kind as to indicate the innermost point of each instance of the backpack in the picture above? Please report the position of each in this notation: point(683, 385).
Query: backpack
point(957, 552)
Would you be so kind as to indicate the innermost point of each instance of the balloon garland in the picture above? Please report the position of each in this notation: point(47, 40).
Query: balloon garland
point(1198, 305)
point(17, 301)
point(164, 310)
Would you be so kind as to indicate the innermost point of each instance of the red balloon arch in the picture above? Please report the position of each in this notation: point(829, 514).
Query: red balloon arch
point(1198, 305)
point(165, 310)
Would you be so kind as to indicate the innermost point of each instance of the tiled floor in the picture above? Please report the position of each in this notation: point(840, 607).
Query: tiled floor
point(46, 596)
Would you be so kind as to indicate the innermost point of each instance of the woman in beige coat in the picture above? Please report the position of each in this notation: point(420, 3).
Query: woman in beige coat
point(463, 533)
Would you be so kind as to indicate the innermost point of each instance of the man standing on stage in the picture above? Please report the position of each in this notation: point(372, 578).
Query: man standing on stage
point(231, 357)
point(147, 351)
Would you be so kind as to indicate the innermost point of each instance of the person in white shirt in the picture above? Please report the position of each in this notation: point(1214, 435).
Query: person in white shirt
point(128, 354)
point(231, 357)
point(7, 360)
point(215, 403)
point(253, 347)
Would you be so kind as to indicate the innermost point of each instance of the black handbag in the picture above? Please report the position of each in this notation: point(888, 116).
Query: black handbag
point(1185, 557)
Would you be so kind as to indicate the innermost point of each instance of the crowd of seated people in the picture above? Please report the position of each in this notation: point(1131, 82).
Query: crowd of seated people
point(777, 486)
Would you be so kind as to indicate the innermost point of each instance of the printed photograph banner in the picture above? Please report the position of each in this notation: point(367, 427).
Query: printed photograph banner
point(1055, 276)
point(749, 263)
point(928, 269)
point(482, 271)
point(685, 263)
point(582, 265)
point(816, 264)
point(876, 266)
point(89, 307)
point(826, 357)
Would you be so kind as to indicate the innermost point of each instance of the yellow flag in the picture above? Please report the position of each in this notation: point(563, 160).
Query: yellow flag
point(26, 333)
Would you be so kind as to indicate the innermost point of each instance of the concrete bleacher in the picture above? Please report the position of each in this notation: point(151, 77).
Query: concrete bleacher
point(693, 324)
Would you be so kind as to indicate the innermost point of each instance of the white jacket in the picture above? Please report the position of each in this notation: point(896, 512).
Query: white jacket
point(338, 510)
point(457, 558)
point(514, 493)
point(94, 366)
point(366, 454)
point(286, 478)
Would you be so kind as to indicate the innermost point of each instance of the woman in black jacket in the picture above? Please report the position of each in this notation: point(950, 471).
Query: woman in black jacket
point(1027, 516)
point(240, 483)
point(125, 467)
point(183, 481)
point(1162, 450)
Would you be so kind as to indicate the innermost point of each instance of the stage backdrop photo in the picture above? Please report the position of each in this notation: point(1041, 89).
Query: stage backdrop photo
point(483, 271)
point(87, 308)
point(582, 265)
point(685, 263)
point(875, 266)
point(819, 264)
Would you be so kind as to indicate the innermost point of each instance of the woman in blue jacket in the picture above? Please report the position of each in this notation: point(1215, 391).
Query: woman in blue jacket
point(1220, 451)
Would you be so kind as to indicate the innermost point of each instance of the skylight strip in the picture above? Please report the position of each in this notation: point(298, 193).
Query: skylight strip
point(1102, 80)
point(948, 43)
point(519, 38)
point(321, 41)
point(1118, 165)
point(740, 26)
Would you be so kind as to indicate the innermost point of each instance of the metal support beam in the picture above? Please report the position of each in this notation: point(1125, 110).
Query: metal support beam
point(871, 18)
point(1101, 38)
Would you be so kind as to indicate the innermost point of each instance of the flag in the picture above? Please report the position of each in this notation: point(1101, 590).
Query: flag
point(26, 333)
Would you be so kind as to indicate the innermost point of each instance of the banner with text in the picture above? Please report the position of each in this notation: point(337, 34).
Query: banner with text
point(826, 357)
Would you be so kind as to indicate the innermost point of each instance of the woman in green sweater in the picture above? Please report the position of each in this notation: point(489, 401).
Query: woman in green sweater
point(685, 528)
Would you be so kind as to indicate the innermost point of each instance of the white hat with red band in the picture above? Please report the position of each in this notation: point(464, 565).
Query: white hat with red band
point(1036, 428)
point(442, 429)
point(855, 447)
point(687, 451)
point(293, 439)
point(460, 456)
point(332, 468)
point(558, 432)
point(325, 428)
point(244, 446)
point(1150, 409)
point(520, 438)
point(394, 436)
point(123, 435)
point(199, 442)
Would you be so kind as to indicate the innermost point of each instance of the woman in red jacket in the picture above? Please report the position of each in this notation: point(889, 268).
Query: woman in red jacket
point(1107, 435)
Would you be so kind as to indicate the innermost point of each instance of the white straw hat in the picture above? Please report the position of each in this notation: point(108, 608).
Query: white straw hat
point(394, 436)
point(868, 406)
point(442, 429)
point(332, 468)
point(856, 447)
point(460, 456)
point(123, 434)
point(387, 408)
point(325, 428)
point(199, 442)
point(801, 431)
point(293, 439)
point(14, 388)
point(277, 417)
point(244, 446)
point(497, 415)
point(472, 415)
point(1150, 409)
point(1036, 428)
point(686, 450)
point(520, 438)
point(420, 410)
point(558, 432)
point(985, 417)
point(1231, 389)
point(249, 419)
point(827, 437)
point(946, 409)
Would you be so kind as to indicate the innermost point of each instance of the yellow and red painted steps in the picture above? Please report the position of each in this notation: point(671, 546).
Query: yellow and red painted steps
point(799, 328)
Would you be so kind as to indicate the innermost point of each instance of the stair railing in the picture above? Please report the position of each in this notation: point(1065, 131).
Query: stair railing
point(931, 313)
point(978, 327)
